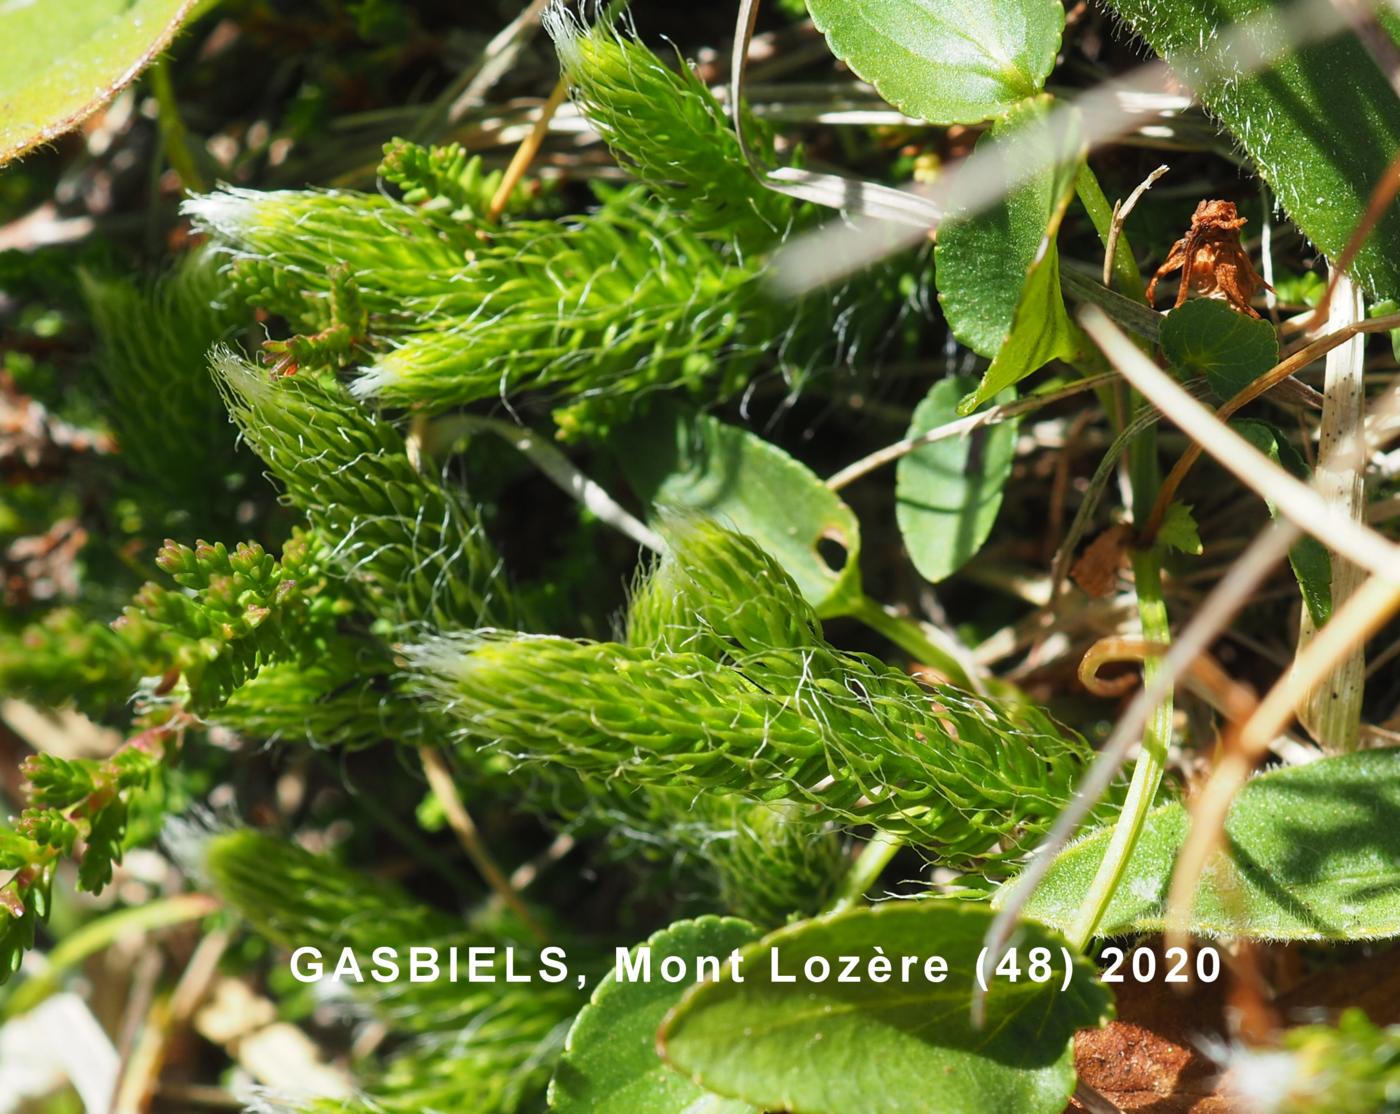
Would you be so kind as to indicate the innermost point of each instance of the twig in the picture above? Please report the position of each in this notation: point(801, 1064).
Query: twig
point(1121, 211)
point(960, 427)
point(526, 152)
point(142, 1075)
point(498, 57)
point(461, 822)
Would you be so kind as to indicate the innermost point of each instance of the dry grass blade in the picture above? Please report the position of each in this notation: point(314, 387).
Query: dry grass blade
point(1272, 378)
point(881, 204)
point(1364, 614)
point(526, 152)
point(1331, 710)
point(464, 827)
point(1121, 211)
point(960, 427)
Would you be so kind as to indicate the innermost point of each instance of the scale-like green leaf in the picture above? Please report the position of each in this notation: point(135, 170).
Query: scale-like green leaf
point(698, 463)
point(1178, 531)
point(902, 1046)
point(1231, 349)
point(610, 1061)
point(998, 270)
point(1312, 852)
point(947, 494)
point(943, 60)
point(61, 60)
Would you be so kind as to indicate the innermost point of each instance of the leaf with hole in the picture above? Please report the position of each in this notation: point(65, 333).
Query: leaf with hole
point(947, 494)
point(901, 1046)
point(1231, 349)
point(61, 60)
point(998, 269)
point(676, 460)
point(1311, 853)
point(942, 60)
point(610, 1061)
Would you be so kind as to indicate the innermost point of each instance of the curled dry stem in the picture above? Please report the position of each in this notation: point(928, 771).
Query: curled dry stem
point(1204, 673)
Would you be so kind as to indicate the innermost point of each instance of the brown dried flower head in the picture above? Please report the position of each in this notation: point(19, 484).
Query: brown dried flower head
point(1212, 260)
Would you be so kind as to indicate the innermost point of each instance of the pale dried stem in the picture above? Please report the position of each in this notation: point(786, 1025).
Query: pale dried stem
point(1331, 710)
point(500, 54)
point(1281, 371)
point(1352, 625)
point(526, 152)
point(1365, 613)
point(1216, 612)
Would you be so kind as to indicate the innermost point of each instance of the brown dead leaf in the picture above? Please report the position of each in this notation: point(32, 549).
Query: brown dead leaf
point(1149, 1059)
point(44, 566)
point(1096, 571)
point(33, 443)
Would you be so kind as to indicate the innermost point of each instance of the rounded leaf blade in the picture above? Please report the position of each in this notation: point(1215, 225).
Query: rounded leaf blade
point(896, 1047)
point(945, 61)
point(61, 60)
point(948, 493)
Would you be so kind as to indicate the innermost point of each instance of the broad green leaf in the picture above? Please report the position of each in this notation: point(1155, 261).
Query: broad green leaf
point(1312, 564)
point(698, 463)
point(998, 270)
point(610, 1061)
point(1231, 349)
point(903, 1046)
point(1312, 853)
point(1320, 122)
point(947, 494)
point(946, 61)
point(61, 60)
